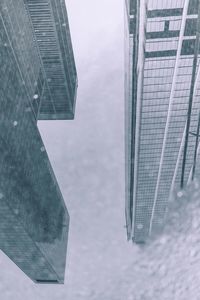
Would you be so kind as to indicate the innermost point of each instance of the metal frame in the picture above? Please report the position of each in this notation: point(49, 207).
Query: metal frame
point(140, 70)
point(196, 146)
point(185, 9)
point(192, 90)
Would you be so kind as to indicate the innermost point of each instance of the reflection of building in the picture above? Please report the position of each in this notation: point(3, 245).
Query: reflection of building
point(38, 81)
point(162, 104)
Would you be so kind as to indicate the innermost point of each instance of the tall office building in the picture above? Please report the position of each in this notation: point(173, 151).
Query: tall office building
point(38, 81)
point(162, 107)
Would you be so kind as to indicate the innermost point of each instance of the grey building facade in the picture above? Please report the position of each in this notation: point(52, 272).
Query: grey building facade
point(162, 107)
point(38, 81)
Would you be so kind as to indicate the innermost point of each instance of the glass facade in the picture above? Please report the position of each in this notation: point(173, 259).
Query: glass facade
point(34, 220)
point(163, 111)
point(51, 30)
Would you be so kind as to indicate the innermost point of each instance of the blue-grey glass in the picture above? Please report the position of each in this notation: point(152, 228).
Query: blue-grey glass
point(34, 219)
point(163, 81)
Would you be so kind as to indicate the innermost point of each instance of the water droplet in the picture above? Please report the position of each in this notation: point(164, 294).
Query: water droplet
point(35, 97)
point(42, 149)
point(140, 226)
point(180, 194)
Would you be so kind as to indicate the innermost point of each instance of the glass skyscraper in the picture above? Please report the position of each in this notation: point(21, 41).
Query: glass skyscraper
point(162, 85)
point(38, 81)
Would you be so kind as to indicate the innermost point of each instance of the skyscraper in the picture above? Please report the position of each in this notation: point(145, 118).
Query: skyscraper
point(38, 81)
point(162, 107)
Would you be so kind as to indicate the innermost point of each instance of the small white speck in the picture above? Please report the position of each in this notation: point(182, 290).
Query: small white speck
point(42, 149)
point(35, 97)
point(64, 24)
point(15, 123)
point(16, 211)
point(180, 194)
point(139, 226)
point(1, 196)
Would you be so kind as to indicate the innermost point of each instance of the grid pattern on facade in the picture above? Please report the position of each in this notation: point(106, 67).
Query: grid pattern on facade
point(21, 41)
point(166, 82)
point(51, 29)
point(34, 219)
